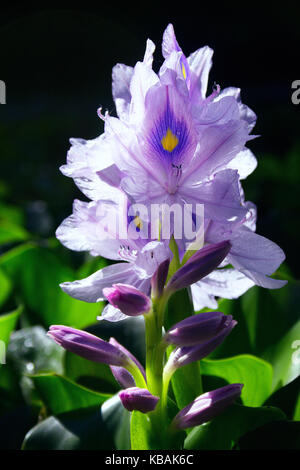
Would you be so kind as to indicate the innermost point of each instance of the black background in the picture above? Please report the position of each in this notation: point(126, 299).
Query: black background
point(56, 61)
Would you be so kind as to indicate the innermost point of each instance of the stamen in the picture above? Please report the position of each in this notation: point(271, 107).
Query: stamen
point(102, 116)
point(126, 254)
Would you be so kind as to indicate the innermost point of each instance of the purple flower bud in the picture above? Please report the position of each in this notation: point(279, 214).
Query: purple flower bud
point(88, 346)
point(199, 265)
point(186, 354)
point(122, 375)
point(138, 399)
point(159, 278)
point(197, 329)
point(206, 406)
point(128, 299)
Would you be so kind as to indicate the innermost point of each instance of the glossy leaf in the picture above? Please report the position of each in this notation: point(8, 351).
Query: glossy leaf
point(145, 435)
point(141, 432)
point(5, 287)
point(268, 327)
point(284, 356)
point(84, 429)
point(254, 373)
point(33, 352)
point(223, 432)
point(10, 233)
point(8, 322)
point(60, 394)
point(37, 272)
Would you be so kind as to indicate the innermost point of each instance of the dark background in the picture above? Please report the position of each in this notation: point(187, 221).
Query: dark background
point(56, 62)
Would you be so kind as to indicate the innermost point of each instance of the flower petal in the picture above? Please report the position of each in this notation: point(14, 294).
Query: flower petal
point(200, 63)
point(220, 196)
point(256, 257)
point(121, 78)
point(225, 283)
point(90, 288)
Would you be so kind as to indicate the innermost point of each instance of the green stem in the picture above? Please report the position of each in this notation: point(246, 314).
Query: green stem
point(137, 374)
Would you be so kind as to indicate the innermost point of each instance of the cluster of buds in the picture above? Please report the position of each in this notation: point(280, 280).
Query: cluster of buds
point(191, 339)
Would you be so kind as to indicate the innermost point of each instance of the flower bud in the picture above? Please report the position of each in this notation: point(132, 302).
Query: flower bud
point(199, 265)
point(128, 299)
point(197, 329)
point(159, 278)
point(122, 375)
point(138, 399)
point(87, 345)
point(206, 406)
point(186, 354)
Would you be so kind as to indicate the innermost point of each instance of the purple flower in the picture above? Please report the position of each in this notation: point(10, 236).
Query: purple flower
point(159, 278)
point(197, 329)
point(138, 399)
point(122, 375)
point(91, 227)
point(206, 406)
point(128, 299)
point(199, 265)
point(88, 346)
point(183, 355)
point(253, 257)
point(171, 143)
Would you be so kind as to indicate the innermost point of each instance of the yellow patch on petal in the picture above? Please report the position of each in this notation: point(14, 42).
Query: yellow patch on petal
point(169, 141)
point(138, 222)
point(183, 71)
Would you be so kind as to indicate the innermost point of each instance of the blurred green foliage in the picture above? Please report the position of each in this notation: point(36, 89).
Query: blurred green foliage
point(53, 398)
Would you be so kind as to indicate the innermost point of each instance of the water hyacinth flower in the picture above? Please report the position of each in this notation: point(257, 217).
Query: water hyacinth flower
point(159, 278)
point(95, 349)
point(197, 329)
point(90, 228)
point(206, 406)
point(87, 345)
point(183, 355)
point(135, 398)
point(199, 265)
point(171, 143)
point(128, 299)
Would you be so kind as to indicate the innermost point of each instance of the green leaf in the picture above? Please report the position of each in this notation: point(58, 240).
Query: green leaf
point(223, 432)
point(93, 375)
point(141, 432)
point(190, 376)
point(146, 435)
point(12, 214)
point(84, 429)
point(256, 375)
point(268, 327)
point(285, 357)
point(60, 394)
point(10, 233)
point(37, 272)
point(33, 352)
point(5, 287)
point(116, 420)
point(74, 430)
point(297, 410)
point(7, 324)
point(286, 399)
